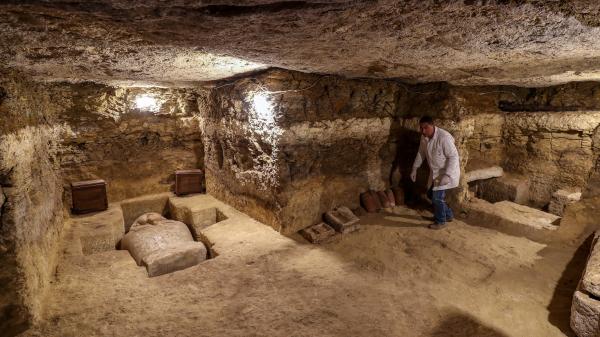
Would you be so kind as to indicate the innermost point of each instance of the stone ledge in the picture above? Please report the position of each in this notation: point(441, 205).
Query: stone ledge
point(513, 219)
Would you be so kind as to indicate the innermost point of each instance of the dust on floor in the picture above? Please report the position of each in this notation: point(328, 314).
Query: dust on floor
point(394, 277)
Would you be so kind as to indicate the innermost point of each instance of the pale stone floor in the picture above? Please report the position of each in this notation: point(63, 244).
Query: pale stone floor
point(394, 277)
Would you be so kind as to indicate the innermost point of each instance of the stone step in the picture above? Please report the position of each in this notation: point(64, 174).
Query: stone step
point(513, 219)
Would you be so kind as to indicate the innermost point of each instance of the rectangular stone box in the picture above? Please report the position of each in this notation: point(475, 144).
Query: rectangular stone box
point(89, 196)
point(342, 220)
point(319, 233)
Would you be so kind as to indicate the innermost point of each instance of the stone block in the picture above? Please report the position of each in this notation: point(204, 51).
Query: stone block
point(508, 187)
point(562, 198)
point(133, 208)
point(526, 216)
point(484, 173)
point(342, 220)
point(196, 215)
point(319, 233)
point(513, 219)
point(101, 231)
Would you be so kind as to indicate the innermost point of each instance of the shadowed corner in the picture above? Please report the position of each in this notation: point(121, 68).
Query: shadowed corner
point(460, 324)
point(560, 305)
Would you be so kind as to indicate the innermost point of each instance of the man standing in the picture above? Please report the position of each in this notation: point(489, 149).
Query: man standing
point(437, 146)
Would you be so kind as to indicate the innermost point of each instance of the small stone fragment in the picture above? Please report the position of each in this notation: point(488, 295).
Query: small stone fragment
point(342, 220)
point(318, 233)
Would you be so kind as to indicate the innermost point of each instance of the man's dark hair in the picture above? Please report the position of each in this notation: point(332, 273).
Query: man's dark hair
point(426, 119)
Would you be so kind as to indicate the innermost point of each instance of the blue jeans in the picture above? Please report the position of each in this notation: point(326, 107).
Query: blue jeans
point(441, 211)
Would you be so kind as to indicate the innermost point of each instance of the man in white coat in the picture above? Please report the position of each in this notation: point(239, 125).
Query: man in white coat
point(437, 146)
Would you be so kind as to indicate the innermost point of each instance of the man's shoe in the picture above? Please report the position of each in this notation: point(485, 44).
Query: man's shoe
point(437, 225)
point(450, 220)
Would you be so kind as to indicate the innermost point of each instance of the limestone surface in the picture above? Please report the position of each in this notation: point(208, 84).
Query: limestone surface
point(513, 219)
point(100, 232)
point(484, 173)
point(342, 220)
point(562, 198)
point(590, 282)
point(528, 42)
point(163, 247)
point(585, 315)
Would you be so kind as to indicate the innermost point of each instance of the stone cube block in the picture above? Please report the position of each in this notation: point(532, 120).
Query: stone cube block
point(342, 220)
point(319, 233)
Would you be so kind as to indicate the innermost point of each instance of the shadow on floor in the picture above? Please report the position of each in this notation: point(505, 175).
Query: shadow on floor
point(459, 324)
point(397, 220)
point(560, 305)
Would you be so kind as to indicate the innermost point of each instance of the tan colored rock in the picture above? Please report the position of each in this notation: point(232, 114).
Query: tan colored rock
point(196, 216)
point(174, 257)
point(585, 315)
point(136, 207)
point(163, 247)
point(562, 198)
point(590, 282)
point(523, 43)
point(101, 231)
point(484, 173)
point(509, 187)
point(342, 220)
point(513, 219)
point(319, 233)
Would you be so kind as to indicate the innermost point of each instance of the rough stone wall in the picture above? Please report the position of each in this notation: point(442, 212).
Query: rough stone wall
point(135, 150)
point(31, 205)
point(319, 142)
point(546, 134)
point(553, 149)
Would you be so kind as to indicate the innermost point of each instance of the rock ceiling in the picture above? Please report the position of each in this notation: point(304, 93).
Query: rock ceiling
point(178, 42)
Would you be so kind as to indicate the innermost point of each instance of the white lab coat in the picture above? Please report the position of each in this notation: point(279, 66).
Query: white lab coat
point(442, 157)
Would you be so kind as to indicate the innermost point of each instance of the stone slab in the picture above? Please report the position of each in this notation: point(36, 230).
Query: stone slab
point(484, 173)
point(99, 232)
point(513, 219)
point(527, 216)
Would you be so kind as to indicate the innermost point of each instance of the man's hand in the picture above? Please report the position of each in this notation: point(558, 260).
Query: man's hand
point(413, 176)
point(445, 179)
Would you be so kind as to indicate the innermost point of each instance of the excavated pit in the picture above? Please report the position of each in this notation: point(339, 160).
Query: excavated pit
point(291, 111)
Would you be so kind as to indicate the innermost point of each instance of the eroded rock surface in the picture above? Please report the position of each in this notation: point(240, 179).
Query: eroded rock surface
point(466, 42)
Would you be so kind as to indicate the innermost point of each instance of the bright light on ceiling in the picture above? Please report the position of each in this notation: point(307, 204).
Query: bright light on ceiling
point(262, 106)
point(147, 103)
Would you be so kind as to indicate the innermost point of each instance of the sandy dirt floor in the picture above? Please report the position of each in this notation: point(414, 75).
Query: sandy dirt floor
point(394, 277)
